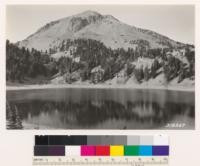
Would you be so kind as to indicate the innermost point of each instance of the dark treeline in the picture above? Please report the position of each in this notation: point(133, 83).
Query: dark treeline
point(23, 63)
point(74, 112)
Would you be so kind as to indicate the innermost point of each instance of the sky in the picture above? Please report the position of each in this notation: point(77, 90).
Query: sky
point(173, 21)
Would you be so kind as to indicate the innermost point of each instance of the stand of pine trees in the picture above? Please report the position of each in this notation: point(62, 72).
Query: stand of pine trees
point(22, 63)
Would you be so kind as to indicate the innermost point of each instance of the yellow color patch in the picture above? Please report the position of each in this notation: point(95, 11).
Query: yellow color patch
point(117, 150)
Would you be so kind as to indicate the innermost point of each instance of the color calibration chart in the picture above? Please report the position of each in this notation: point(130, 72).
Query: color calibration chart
point(101, 150)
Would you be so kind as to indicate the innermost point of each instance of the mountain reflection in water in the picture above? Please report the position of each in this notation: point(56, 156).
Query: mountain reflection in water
point(98, 109)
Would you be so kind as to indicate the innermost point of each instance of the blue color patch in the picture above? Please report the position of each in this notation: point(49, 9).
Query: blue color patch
point(145, 150)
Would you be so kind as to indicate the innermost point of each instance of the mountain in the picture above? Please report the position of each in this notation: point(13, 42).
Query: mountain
point(92, 25)
point(90, 48)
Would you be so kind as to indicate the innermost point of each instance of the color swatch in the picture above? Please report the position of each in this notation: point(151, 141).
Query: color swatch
point(88, 150)
point(103, 150)
point(145, 150)
point(131, 150)
point(49, 151)
point(116, 150)
point(101, 146)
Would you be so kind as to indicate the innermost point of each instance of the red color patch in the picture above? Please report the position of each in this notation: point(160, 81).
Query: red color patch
point(102, 150)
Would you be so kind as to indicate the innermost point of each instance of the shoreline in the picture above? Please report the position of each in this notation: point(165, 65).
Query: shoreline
point(98, 86)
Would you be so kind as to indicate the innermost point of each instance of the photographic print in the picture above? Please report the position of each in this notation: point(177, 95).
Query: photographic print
point(100, 67)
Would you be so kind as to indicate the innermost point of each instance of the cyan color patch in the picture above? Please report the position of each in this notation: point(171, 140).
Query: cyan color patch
point(145, 150)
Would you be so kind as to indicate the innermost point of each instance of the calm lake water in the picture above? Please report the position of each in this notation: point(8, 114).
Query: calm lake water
point(99, 109)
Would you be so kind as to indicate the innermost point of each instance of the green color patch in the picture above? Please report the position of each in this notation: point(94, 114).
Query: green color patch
point(131, 150)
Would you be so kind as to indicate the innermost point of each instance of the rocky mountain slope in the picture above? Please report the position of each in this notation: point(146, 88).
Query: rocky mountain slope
point(90, 48)
point(92, 25)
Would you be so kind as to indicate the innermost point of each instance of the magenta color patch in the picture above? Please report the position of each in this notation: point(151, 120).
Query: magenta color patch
point(87, 150)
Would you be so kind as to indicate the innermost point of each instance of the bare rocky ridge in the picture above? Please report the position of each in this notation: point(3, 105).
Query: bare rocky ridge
point(92, 25)
point(90, 48)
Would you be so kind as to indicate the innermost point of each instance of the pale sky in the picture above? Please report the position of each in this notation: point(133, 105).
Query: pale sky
point(174, 21)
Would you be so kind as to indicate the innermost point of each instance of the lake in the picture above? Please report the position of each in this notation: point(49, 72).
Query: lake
point(76, 108)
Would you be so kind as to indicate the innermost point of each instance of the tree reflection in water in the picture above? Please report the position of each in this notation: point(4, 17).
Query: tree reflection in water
point(92, 113)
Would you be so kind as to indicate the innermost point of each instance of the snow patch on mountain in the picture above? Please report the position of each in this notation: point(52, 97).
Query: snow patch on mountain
point(67, 53)
point(185, 83)
point(142, 63)
point(158, 81)
point(179, 54)
point(132, 81)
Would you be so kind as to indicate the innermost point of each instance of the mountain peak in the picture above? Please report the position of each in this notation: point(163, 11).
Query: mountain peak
point(81, 20)
point(92, 25)
point(89, 13)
